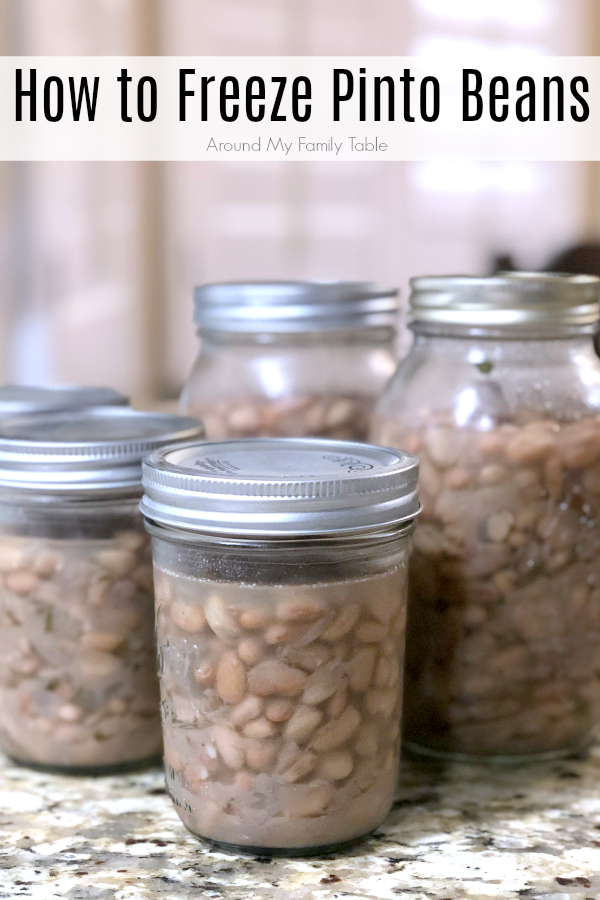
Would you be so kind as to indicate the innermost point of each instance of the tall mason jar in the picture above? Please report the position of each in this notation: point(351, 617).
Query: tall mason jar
point(78, 684)
point(500, 400)
point(280, 574)
point(291, 359)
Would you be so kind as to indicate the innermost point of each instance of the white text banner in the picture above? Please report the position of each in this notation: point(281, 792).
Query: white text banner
point(299, 108)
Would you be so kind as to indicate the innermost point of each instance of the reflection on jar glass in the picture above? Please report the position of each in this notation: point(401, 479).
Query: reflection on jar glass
point(78, 689)
point(281, 644)
point(500, 400)
point(291, 359)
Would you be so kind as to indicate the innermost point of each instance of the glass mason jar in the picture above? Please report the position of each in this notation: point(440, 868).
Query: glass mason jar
point(500, 399)
point(78, 684)
point(280, 572)
point(18, 399)
point(291, 359)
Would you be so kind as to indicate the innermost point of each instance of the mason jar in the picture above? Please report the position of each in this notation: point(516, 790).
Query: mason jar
point(500, 400)
point(78, 684)
point(280, 574)
point(290, 359)
point(19, 399)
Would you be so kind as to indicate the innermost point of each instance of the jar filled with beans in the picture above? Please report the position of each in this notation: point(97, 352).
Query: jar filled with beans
point(78, 684)
point(500, 400)
point(280, 571)
point(291, 359)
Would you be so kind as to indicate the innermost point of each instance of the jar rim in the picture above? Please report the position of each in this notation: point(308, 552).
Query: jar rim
point(525, 303)
point(74, 452)
point(294, 306)
point(374, 535)
point(278, 487)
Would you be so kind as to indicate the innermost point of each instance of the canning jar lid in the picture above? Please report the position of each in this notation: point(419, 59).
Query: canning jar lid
point(294, 306)
point(513, 300)
point(87, 450)
point(280, 487)
point(19, 399)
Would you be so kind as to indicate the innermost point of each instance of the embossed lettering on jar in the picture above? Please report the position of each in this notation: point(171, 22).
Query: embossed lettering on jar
point(78, 687)
point(291, 359)
point(280, 610)
point(500, 400)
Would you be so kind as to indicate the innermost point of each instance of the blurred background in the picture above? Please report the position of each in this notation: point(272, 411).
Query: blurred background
point(98, 260)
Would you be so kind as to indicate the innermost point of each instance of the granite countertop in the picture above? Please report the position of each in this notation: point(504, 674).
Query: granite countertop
point(456, 831)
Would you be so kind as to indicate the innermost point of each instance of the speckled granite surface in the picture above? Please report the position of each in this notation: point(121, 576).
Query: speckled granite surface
point(455, 832)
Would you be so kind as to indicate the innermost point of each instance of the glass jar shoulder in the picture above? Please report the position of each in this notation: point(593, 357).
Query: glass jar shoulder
point(288, 385)
point(483, 383)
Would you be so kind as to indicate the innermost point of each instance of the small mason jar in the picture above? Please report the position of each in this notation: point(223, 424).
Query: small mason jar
point(78, 684)
point(280, 576)
point(500, 400)
point(18, 399)
point(291, 359)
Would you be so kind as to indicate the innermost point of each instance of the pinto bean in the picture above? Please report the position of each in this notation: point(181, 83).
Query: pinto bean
point(272, 677)
point(12, 557)
point(250, 650)
point(259, 728)
point(361, 667)
point(253, 619)
point(301, 610)
point(259, 754)
point(309, 801)
point(530, 446)
point(280, 710)
point(230, 746)
point(302, 767)
point(336, 766)
point(302, 724)
point(322, 684)
point(231, 678)
point(205, 673)
point(221, 619)
point(187, 617)
point(117, 562)
point(101, 640)
point(336, 732)
point(342, 624)
point(249, 708)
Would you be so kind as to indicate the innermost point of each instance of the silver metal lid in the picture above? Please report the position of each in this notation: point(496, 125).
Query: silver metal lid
point(280, 487)
point(85, 450)
point(514, 300)
point(16, 399)
point(294, 306)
